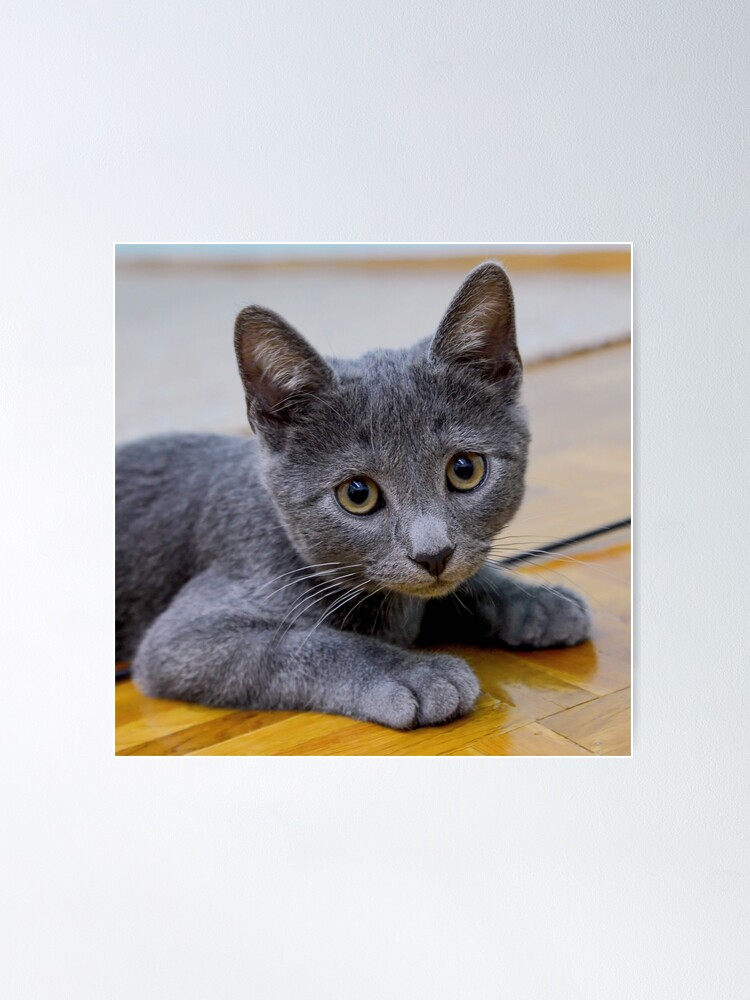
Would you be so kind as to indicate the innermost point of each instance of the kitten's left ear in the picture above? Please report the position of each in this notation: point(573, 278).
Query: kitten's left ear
point(280, 371)
point(479, 327)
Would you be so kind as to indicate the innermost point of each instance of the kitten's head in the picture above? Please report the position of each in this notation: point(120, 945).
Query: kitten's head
point(403, 464)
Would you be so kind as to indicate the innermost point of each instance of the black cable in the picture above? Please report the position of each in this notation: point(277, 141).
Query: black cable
point(563, 543)
point(123, 675)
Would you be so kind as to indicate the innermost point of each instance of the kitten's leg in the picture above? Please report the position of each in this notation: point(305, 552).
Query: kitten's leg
point(499, 607)
point(210, 647)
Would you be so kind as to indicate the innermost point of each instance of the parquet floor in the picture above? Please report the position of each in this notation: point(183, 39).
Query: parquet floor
point(573, 702)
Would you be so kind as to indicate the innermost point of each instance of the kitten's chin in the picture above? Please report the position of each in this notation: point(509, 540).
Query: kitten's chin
point(436, 588)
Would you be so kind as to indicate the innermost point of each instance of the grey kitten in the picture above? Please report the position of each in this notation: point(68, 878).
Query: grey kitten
point(299, 569)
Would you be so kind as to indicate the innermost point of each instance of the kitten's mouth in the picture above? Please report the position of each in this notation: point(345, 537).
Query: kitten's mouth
point(431, 587)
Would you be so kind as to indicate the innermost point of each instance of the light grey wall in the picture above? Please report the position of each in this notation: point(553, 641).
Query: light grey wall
point(522, 120)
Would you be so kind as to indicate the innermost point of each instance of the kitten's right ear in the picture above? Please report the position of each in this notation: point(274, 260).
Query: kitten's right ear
point(280, 371)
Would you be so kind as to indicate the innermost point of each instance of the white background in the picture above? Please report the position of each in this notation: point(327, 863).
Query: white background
point(486, 121)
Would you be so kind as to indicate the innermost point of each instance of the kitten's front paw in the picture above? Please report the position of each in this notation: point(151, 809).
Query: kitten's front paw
point(546, 616)
point(431, 689)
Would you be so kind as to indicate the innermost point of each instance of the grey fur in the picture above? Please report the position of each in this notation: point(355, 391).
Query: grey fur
point(241, 581)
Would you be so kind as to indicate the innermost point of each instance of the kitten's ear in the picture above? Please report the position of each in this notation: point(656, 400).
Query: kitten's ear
point(479, 327)
point(280, 371)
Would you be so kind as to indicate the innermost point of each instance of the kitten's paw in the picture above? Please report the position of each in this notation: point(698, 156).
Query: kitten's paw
point(546, 616)
point(430, 690)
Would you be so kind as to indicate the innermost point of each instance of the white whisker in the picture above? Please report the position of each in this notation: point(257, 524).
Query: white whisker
point(305, 603)
point(318, 573)
point(299, 569)
point(348, 596)
point(369, 594)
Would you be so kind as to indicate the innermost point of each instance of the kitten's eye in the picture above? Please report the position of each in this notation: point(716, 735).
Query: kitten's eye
point(465, 471)
point(359, 495)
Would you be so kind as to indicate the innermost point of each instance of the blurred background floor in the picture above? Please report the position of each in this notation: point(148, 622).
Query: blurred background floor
point(174, 324)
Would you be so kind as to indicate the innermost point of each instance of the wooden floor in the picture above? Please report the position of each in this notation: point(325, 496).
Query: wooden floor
point(573, 702)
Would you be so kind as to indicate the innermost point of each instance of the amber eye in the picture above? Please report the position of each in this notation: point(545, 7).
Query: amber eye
point(465, 471)
point(359, 495)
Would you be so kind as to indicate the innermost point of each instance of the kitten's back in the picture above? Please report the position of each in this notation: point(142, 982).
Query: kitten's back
point(163, 485)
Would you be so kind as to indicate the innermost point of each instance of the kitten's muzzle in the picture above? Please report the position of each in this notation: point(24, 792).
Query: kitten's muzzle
point(428, 543)
point(434, 562)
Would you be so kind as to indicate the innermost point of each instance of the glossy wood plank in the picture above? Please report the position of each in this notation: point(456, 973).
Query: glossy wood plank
point(207, 730)
point(141, 720)
point(600, 570)
point(602, 726)
point(310, 733)
point(514, 681)
point(529, 741)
